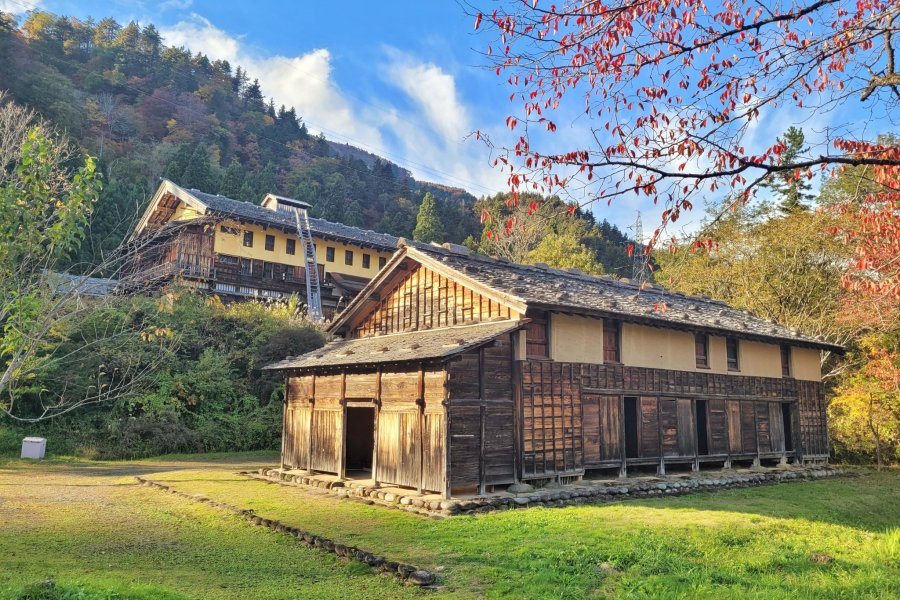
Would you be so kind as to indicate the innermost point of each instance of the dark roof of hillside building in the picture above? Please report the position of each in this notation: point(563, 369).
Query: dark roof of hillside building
point(432, 344)
point(81, 285)
point(542, 287)
point(240, 209)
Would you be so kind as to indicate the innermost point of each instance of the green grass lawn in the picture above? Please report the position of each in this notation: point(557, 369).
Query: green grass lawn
point(89, 527)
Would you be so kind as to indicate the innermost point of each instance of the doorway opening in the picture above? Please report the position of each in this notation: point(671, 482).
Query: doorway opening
point(788, 433)
point(702, 429)
point(360, 438)
point(631, 427)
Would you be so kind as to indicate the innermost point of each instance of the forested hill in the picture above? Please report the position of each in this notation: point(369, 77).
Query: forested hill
point(147, 110)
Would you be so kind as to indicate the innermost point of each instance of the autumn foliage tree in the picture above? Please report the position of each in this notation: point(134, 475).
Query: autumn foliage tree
point(671, 90)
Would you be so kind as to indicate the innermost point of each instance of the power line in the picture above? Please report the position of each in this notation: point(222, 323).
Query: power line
point(361, 145)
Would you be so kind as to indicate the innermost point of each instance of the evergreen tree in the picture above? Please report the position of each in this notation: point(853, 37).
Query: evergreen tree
point(428, 224)
point(174, 170)
point(253, 97)
point(353, 214)
point(793, 192)
point(232, 181)
point(199, 174)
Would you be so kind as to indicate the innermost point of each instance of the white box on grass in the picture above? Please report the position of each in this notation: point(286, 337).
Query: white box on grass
point(34, 447)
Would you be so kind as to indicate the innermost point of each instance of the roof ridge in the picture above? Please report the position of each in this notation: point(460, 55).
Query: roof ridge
point(604, 279)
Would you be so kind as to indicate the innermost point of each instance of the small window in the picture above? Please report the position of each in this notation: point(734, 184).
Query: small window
point(367, 261)
point(270, 243)
point(731, 351)
point(381, 262)
point(329, 254)
point(246, 265)
point(701, 350)
point(248, 239)
point(269, 270)
point(537, 337)
point(291, 246)
point(229, 230)
point(348, 257)
point(231, 261)
point(611, 341)
point(786, 361)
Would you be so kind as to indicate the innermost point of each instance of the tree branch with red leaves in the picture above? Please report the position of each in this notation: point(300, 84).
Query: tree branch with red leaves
point(670, 90)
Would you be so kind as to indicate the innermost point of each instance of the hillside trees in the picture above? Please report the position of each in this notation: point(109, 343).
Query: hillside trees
point(145, 108)
point(672, 91)
point(537, 229)
point(428, 223)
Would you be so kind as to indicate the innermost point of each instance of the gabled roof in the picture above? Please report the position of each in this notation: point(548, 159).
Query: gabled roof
point(247, 211)
point(429, 345)
point(525, 287)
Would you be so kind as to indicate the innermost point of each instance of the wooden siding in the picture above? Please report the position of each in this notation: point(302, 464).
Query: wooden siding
point(409, 427)
point(424, 299)
point(551, 422)
point(563, 403)
point(482, 443)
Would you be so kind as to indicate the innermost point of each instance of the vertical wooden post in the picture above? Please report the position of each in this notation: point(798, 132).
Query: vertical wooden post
point(661, 471)
point(623, 470)
point(516, 374)
point(756, 461)
point(284, 419)
point(342, 457)
point(309, 430)
point(727, 406)
point(481, 482)
point(695, 467)
point(421, 402)
point(448, 439)
point(375, 435)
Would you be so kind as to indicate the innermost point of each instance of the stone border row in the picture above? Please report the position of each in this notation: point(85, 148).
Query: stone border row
point(379, 564)
point(557, 497)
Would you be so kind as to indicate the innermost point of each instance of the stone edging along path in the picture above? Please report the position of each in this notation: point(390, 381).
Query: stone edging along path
point(404, 572)
point(579, 493)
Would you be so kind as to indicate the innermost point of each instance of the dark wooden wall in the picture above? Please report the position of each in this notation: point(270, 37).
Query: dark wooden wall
point(573, 417)
point(482, 413)
point(410, 423)
point(425, 300)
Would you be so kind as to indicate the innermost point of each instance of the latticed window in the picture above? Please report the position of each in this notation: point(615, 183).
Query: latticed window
point(537, 338)
point(731, 350)
point(785, 361)
point(611, 341)
point(701, 350)
point(248, 239)
point(291, 246)
point(329, 254)
point(270, 243)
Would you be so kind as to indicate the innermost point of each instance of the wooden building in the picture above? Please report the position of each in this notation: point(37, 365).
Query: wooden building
point(239, 249)
point(456, 371)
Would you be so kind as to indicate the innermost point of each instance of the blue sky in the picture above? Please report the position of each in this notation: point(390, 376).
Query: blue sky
point(402, 79)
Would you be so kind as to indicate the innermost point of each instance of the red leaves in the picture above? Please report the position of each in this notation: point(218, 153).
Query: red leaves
point(630, 250)
point(725, 66)
point(478, 21)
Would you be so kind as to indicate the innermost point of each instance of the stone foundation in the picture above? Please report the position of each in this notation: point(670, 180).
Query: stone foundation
point(407, 573)
point(581, 492)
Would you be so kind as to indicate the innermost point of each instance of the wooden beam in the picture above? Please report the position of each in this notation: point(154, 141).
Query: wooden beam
point(518, 432)
point(309, 430)
point(421, 402)
point(342, 456)
point(375, 436)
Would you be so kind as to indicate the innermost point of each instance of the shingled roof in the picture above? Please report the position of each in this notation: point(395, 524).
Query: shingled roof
point(544, 288)
point(429, 345)
point(247, 211)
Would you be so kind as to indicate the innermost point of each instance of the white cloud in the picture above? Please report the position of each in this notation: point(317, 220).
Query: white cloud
point(301, 81)
point(427, 138)
point(434, 91)
point(18, 7)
